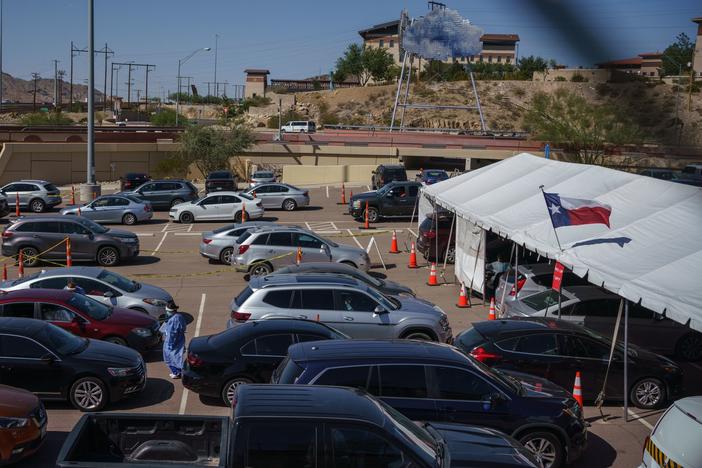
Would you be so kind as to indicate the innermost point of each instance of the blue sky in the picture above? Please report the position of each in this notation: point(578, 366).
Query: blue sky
point(302, 38)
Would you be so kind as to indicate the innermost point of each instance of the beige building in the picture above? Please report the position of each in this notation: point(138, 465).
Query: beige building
point(384, 36)
point(256, 82)
point(697, 60)
point(646, 64)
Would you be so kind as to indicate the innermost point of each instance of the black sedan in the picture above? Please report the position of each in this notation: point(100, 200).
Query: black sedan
point(56, 365)
point(556, 350)
point(217, 364)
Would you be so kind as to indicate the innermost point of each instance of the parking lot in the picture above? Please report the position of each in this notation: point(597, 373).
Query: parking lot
point(170, 259)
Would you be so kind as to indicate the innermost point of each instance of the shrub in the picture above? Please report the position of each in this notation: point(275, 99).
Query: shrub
point(519, 92)
point(45, 118)
point(286, 117)
point(578, 78)
point(559, 78)
point(167, 118)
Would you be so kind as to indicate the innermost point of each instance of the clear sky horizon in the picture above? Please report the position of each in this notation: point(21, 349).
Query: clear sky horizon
point(302, 39)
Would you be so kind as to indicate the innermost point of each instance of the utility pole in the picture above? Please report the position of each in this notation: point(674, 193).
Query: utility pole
point(215, 70)
point(61, 74)
point(146, 86)
point(56, 83)
point(107, 53)
point(129, 84)
point(74, 52)
point(90, 169)
point(35, 77)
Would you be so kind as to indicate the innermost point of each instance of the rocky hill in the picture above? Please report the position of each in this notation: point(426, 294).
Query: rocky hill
point(19, 90)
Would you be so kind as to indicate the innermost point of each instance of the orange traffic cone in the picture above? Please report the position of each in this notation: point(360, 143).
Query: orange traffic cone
point(20, 266)
point(298, 258)
point(366, 223)
point(491, 314)
point(343, 195)
point(73, 195)
point(413, 258)
point(432, 275)
point(69, 259)
point(243, 212)
point(17, 208)
point(462, 298)
point(4, 272)
point(577, 390)
point(393, 244)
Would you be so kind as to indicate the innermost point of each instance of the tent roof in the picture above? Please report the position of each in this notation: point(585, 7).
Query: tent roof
point(652, 253)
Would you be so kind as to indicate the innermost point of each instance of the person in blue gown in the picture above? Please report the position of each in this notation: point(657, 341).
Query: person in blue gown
point(173, 331)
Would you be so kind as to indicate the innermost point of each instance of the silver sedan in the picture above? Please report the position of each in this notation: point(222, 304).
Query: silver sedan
point(280, 196)
point(261, 177)
point(124, 209)
point(219, 243)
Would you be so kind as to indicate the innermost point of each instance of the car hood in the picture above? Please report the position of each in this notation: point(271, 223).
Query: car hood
point(180, 206)
point(412, 304)
point(128, 317)
point(480, 446)
point(365, 195)
point(391, 287)
point(16, 403)
point(113, 355)
point(120, 233)
point(537, 387)
point(148, 291)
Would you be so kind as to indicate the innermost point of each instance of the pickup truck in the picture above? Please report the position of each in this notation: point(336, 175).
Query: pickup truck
point(286, 426)
point(396, 199)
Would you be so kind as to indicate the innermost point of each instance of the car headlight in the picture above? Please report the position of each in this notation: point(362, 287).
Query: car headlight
point(156, 302)
point(13, 423)
point(144, 332)
point(120, 371)
point(357, 204)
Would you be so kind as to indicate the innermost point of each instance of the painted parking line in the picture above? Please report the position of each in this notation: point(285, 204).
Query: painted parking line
point(196, 233)
point(184, 398)
point(639, 418)
point(327, 187)
point(355, 240)
point(159, 244)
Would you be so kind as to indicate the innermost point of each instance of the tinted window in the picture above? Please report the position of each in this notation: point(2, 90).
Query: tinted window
point(210, 200)
point(306, 241)
point(228, 199)
point(287, 372)
point(457, 384)
point(303, 337)
point(51, 187)
point(11, 188)
point(90, 307)
point(359, 447)
point(18, 309)
point(273, 345)
point(19, 346)
point(148, 188)
point(278, 189)
point(51, 283)
point(118, 281)
point(279, 239)
point(49, 227)
point(163, 186)
point(575, 346)
point(318, 299)
point(220, 175)
point(25, 227)
point(249, 348)
point(260, 239)
point(100, 202)
point(73, 228)
point(543, 343)
point(355, 301)
point(278, 298)
point(283, 444)
point(55, 313)
point(117, 201)
point(357, 377)
point(261, 189)
point(598, 308)
point(92, 287)
point(469, 339)
point(243, 295)
point(413, 190)
point(236, 232)
point(403, 381)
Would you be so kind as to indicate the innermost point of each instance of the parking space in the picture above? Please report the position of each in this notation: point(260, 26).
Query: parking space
point(170, 259)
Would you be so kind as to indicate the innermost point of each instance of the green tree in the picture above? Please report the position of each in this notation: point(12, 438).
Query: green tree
point(210, 149)
point(528, 65)
point(167, 118)
point(677, 55)
point(364, 63)
point(583, 130)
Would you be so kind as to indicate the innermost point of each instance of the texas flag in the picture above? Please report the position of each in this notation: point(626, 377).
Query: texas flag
point(575, 211)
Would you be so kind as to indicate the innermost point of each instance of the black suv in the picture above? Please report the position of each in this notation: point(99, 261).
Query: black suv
point(384, 174)
point(435, 382)
point(132, 180)
point(165, 193)
point(219, 181)
point(396, 199)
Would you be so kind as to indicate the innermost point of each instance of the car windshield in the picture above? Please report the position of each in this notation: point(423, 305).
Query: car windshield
point(91, 225)
point(94, 309)
point(435, 173)
point(543, 300)
point(509, 382)
point(245, 196)
point(134, 199)
point(24, 279)
point(61, 341)
point(118, 281)
point(228, 227)
point(416, 434)
point(220, 175)
point(262, 175)
point(384, 189)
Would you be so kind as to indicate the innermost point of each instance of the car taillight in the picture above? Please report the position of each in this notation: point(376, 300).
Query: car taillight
point(306, 194)
point(430, 234)
point(206, 241)
point(240, 316)
point(520, 283)
point(243, 248)
point(7, 234)
point(484, 356)
point(194, 360)
point(147, 208)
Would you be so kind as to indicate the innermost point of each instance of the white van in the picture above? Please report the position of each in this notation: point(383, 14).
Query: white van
point(675, 440)
point(299, 126)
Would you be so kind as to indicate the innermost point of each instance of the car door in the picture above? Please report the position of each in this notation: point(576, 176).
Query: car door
point(150, 193)
point(48, 237)
point(82, 246)
point(358, 316)
point(118, 207)
point(22, 366)
point(97, 211)
point(405, 387)
point(362, 445)
point(313, 248)
point(464, 397)
point(69, 320)
point(262, 192)
point(265, 353)
point(537, 354)
point(207, 209)
point(590, 359)
point(280, 249)
point(11, 191)
point(27, 192)
point(228, 206)
point(316, 304)
point(408, 203)
point(276, 195)
point(279, 443)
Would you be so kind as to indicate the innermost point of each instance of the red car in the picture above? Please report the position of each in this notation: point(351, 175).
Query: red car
point(82, 316)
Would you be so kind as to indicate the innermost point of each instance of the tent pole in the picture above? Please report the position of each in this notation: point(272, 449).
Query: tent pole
point(397, 94)
point(504, 291)
point(626, 360)
point(453, 222)
point(475, 266)
point(516, 270)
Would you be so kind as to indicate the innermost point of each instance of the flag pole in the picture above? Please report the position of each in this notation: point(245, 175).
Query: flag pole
point(541, 187)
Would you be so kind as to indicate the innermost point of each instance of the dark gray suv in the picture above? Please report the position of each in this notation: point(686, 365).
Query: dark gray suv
point(89, 240)
point(164, 194)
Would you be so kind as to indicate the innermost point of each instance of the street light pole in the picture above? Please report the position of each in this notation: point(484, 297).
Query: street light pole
point(90, 189)
point(215, 70)
point(180, 64)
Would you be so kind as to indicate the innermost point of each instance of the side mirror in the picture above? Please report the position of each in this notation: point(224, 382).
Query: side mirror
point(108, 294)
point(48, 359)
point(390, 194)
point(379, 310)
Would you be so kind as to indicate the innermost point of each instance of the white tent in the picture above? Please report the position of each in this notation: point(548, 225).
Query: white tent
point(652, 253)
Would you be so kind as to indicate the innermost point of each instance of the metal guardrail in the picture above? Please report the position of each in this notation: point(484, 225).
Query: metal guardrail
point(452, 131)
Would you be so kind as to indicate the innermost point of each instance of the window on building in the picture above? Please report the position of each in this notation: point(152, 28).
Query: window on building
point(392, 43)
point(381, 43)
point(499, 59)
point(490, 59)
point(508, 60)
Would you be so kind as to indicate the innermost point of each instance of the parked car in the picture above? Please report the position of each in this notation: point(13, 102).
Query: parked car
point(261, 177)
point(386, 173)
point(22, 424)
point(396, 199)
point(428, 244)
point(220, 181)
point(664, 174)
point(692, 170)
point(344, 303)
point(280, 196)
point(217, 364)
point(89, 240)
point(57, 365)
point(35, 195)
point(262, 250)
point(287, 426)
point(431, 176)
point(4, 207)
point(82, 316)
point(163, 194)
point(385, 286)
point(125, 209)
point(219, 244)
point(217, 206)
point(556, 349)
point(434, 382)
point(531, 279)
point(132, 180)
point(103, 285)
point(299, 126)
point(596, 309)
point(675, 439)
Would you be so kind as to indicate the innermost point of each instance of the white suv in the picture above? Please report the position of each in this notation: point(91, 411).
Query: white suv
point(675, 440)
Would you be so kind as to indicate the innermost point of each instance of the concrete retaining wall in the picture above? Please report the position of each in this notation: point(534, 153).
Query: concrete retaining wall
point(327, 174)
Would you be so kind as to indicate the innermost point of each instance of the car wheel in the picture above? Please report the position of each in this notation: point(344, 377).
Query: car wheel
point(108, 256)
point(373, 215)
point(238, 217)
point(289, 205)
point(230, 387)
point(451, 254)
point(116, 340)
point(37, 205)
point(419, 335)
point(175, 202)
point(545, 447)
point(30, 256)
point(88, 394)
point(648, 393)
point(260, 269)
point(689, 347)
point(187, 217)
point(129, 219)
point(225, 256)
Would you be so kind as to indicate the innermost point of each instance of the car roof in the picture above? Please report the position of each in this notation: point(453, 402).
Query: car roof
point(497, 328)
point(35, 181)
point(306, 279)
point(376, 350)
point(281, 227)
point(35, 295)
point(307, 400)
point(319, 267)
point(589, 291)
point(88, 271)
point(23, 219)
point(21, 326)
point(223, 192)
point(391, 166)
point(290, 325)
